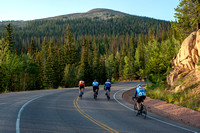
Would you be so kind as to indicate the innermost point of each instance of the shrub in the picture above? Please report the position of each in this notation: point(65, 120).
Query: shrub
point(187, 98)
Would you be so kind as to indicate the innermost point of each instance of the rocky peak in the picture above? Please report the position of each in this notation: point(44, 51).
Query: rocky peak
point(186, 59)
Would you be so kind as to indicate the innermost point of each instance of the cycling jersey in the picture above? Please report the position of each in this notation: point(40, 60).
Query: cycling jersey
point(81, 83)
point(107, 84)
point(95, 83)
point(140, 91)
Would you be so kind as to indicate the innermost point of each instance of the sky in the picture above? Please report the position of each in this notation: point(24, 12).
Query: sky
point(37, 9)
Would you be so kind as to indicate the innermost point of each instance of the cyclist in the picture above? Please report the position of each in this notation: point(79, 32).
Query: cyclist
point(140, 91)
point(107, 86)
point(81, 86)
point(95, 85)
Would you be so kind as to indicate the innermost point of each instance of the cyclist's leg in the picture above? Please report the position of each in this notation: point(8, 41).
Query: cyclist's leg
point(105, 89)
point(138, 103)
point(94, 89)
point(83, 89)
point(138, 106)
point(79, 89)
point(109, 91)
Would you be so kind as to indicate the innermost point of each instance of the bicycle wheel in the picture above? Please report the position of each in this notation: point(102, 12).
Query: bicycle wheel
point(144, 112)
point(108, 97)
point(135, 106)
point(81, 94)
point(95, 96)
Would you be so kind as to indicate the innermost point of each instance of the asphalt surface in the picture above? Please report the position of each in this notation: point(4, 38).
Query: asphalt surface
point(61, 111)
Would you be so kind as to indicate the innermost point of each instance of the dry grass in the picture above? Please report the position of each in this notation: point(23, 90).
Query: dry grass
point(190, 97)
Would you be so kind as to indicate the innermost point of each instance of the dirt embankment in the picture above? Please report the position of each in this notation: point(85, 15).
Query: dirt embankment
point(168, 110)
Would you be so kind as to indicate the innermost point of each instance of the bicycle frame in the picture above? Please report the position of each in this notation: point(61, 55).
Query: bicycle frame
point(143, 111)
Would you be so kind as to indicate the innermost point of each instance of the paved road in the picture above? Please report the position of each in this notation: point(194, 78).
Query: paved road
point(61, 111)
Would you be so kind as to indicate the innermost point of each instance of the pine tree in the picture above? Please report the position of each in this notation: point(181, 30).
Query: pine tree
point(32, 49)
point(9, 37)
point(11, 69)
point(109, 63)
point(137, 61)
point(188, 17)
point(84, 62)
point(69, 78)
point(121, 65)
point(4, 50)
point(102, 68)
point(39, 78)
point(96, 69)
point(130, 55)
point(164, 34)
point(126, 70)
point(90, 59)
point(51, 67)
point(59, 62)
point(116, 69)
point(44, 68)
point(71, 54)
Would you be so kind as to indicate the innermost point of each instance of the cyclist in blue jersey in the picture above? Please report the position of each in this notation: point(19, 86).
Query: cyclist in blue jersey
point(107, 86)
point(95, 85)
point(140, 91)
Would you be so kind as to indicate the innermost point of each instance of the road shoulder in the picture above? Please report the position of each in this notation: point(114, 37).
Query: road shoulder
point(174, 112)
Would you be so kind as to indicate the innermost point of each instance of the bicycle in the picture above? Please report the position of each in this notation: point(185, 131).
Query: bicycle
point(143, 110)
point(81, 94)
point(108, 97)
point(95, 95)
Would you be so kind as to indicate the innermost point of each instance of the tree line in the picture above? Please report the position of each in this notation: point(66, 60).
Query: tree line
point(117, 57)
point(45, 55)
point(54, 30)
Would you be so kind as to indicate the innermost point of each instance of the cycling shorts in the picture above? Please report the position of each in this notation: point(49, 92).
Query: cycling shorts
point(107, 88)
point(95, 88)
point(81, 86)
point(140, 99)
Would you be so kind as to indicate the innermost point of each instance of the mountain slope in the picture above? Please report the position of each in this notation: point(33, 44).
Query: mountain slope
point(97, 22)
point(94, 13)
point(98, 13)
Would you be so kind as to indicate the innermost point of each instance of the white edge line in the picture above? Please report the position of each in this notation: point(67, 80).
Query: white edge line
point(20, 112)
point(114, 96)
point(22, 108)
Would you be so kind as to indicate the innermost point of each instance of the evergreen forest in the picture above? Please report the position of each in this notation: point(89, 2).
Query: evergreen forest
point(43, 54)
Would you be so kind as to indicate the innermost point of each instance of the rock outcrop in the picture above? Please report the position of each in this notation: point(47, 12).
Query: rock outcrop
point(185, 61)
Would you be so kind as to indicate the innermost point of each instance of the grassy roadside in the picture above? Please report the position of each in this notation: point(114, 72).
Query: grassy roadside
point(189, 98)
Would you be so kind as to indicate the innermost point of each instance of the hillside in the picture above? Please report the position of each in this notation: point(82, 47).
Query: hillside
point(98, 13)
point(96, 22)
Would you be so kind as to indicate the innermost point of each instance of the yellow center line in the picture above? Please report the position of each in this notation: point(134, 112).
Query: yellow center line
point(76, 105)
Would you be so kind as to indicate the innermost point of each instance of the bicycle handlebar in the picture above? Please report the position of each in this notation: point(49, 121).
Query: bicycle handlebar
point(134, 98)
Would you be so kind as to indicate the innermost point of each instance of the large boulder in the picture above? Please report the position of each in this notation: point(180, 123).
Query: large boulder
point(187, 57)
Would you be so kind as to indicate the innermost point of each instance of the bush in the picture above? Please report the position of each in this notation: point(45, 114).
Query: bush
point(155, 79)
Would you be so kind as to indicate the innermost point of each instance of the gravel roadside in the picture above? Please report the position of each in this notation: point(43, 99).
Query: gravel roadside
point(168, 110)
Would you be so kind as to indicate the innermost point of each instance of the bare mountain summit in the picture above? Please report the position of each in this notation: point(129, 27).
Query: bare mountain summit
point(98, 13)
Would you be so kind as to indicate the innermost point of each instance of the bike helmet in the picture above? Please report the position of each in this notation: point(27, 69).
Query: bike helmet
point(139, 85)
